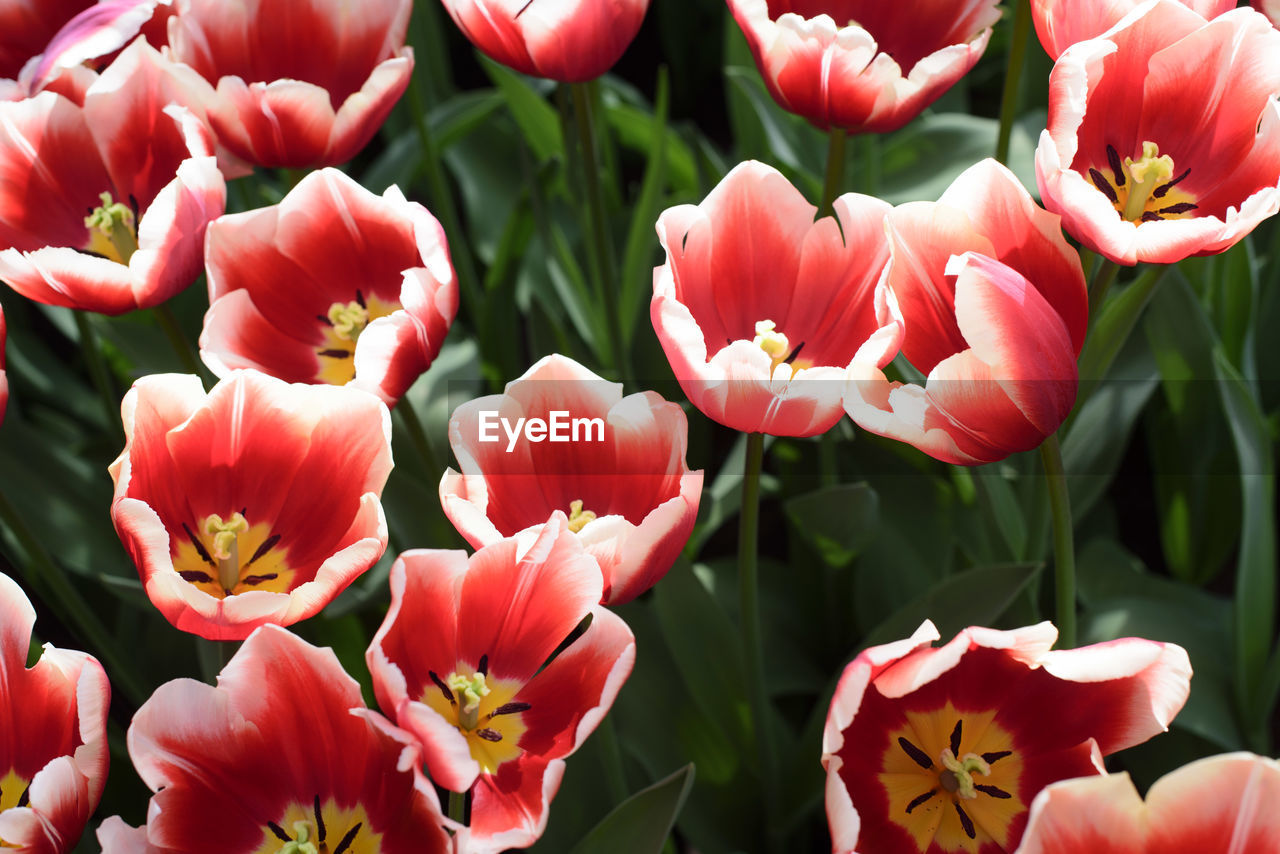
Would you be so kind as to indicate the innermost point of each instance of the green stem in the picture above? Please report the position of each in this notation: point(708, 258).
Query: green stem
point(1111, 329)
point(417, 435)
point(63, 596)
point(457, 809)
point(835, 171)
point(1064, 556)
point(1100, 284)
point(598, 227)
point(748, 584)
point(1013, 76)
point(177, 340)
point(99, 375)
point(611, 758)
point(213, 656)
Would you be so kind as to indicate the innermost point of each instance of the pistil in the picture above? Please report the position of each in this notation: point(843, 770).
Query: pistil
point(348, 319)
point(1147, 174)
point(112, 230)
point(958, 776)
point(468, 691)
point(578, 518)
point(772, 342)
point(226, 546)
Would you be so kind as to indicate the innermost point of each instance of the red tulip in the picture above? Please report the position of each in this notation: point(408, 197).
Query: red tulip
point(459, 659)
point(761, 310)
point(54, 745)
point(333, 285)
point(863, 65)
point(943, 749)
point(280, 756)
point(26, 27)
point(307, 88)
point(570, 41)
point(994, 309)
point(216, 497)
point(1062, 23)
point(634, 495)
point(1136, 179)
point(1223, 803)
point(149, 195)
point(99, 30)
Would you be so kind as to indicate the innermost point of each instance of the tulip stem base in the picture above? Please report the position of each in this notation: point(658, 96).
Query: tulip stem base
point(1100, 284)
point(418, 435)
point(611, 758)
point(1013, 76)
point(835, 171)
point(177, 340)
point(99, 375)
point(457, 809)
point(1064, 556)
point(748, 591)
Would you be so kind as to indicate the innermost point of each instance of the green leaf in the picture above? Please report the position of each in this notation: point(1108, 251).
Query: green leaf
point(537, 120)
point(975, 597)
point(840, 520)
point(640, 824)
point(637, 257)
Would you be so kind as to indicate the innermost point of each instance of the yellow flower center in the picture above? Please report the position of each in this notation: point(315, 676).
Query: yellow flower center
point(779, 349)
point(320, 829)
point(227, 556)
point(112, 231)
point(578, 518)
point(957, 804)
point(14, 792)
point(343, 324)
point(1143, 190)
point(483, 709)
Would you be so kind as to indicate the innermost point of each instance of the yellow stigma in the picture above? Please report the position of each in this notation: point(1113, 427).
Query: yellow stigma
point(578, 518)
point(1147, 173)
point(348, 319)
point(301, 842)
point(469, 690)
point(226, 545)
point(112, 232)
point(958, 778)
point(771, 341)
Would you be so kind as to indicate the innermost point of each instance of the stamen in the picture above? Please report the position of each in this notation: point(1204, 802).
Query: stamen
point(919, 756)
point(444, 689)
point(266, 546)
point(348, 839)
point(326, 321)
point(993, 791)
point(483, 667)
point(25, 797)
point(510, 709)
point(794, 353)
point(488, 734)
point(1160, 191)
point(1151, 216)
point(360, 299)
point(965, 821)
point(195, 576)
point(319, 819)
point(996, 756)
point(1113, 159)
point(1179, 208)
point(335, 354)
point(200, 549)
point(255, 580)
point(955, 737)
point(921, 799)
point(1100, 181)
point(279, 832)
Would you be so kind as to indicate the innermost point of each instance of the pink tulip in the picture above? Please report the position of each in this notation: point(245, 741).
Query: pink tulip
point(1222, 803)
point(993, 306)
point(1152, 156)
point(571, 41)
point(98, 31)
point(944, 749)
point(634, 495)
point(333, 285)
point(26, 27)
point(1062, 23)
point(863, 65)
point(761, 310)
point(307, 88)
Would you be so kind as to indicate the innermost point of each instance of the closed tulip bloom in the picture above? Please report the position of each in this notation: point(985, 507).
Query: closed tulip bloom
point(458, 662)
point(122, 212)
point(257, 503)
point(761, 310)
point(302, 89)
point(54, 746)
point(941, 750)
point(620, 473)
point(1062, 23)
point(1222, 803)
point(280, 756)
point(863, 65)
point(26, 27)
point(993, 307)
point(1151, 157)
point(333, 285)
point(567, 40)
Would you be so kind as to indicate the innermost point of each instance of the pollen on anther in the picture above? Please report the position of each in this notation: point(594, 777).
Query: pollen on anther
point(1100, 181)
point(966, 822)
point(444, 689)
point(916, 754)
point(1117, 169)
point(921, 799)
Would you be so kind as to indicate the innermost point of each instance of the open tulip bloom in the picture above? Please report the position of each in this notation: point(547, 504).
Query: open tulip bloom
point(620, 474)
point(333, 285)
point(931, 750)
point(571, 41)
point(1221, 803)
point(53, 742)
point(216, 497)
point(1062, 23)
point(993, 305)
point(280, 756)
point(1137, 179)
point(863, 65)
point(459, 660)
point(303, 89)
point(123, 213)
point(762, 311)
